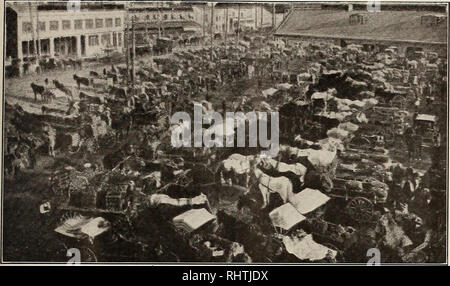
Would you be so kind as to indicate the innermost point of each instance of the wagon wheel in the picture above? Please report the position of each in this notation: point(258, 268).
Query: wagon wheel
point(88, 255)
point(123, 229)
point(361, 209)
point(68, 215)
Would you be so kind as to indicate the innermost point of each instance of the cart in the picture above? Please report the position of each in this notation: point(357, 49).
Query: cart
point(425, 125)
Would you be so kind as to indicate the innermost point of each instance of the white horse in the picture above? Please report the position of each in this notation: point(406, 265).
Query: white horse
point(268, 185)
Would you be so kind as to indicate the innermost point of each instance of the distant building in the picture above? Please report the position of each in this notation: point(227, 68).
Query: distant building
point(163, 18)
point(59, 31)
point(226, 16)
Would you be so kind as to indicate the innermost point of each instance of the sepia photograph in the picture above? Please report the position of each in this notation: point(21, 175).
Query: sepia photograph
point(189, 132)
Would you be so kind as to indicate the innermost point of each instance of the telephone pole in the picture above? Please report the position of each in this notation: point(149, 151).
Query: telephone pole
point(133, 71)
point(226, 28)
point(159, 21)
point(256, 17)
point(37, 33)
point(32, 31)
point(212, 31)
point(262, 8)
point(126, 42)
point(203, 22)
point(274, 18)
point(239, 24)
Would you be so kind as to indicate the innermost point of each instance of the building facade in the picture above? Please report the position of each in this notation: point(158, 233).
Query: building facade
point(251, 17)
point(162, 19)
point(55, 30)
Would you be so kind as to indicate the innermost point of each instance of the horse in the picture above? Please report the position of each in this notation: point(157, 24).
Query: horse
point(37, 89)
point(268, 185)
point(62, 88)
point(81, 80)
point(122, 122)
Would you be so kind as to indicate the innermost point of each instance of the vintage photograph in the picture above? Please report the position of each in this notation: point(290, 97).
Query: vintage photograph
point(224, 132)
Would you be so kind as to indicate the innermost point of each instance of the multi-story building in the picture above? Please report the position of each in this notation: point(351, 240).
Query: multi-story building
point(162, 18)
point(81, 31)
point(227, 15)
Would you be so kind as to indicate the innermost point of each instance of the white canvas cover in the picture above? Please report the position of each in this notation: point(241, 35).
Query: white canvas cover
point(269, 92)
point(286, 216)
point(79, 226)
point(283, 86)
point(306, 248)
point(308, 200)
point(95, 227)
point(193, 219)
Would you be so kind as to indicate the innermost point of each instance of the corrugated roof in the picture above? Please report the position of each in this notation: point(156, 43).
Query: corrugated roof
point(384, 25)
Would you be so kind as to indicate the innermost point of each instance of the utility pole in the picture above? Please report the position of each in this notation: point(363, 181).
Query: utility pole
point(126, 42)
point(133, 71)
point(239, 24)
point(32, 31)
point(211, 30)
point(37, 33)
point(274, 18)
point(256, 17)
point(159, 21)
point(226, 28)
point(262, 8)
point(204, 16)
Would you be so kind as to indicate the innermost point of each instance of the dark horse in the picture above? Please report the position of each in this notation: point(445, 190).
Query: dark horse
point(123, 121)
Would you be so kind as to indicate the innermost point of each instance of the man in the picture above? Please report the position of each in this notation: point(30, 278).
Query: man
point(408, 138)
point(407, 191)
point(417, 139)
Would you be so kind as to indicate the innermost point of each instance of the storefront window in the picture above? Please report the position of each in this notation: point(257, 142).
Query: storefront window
point(93, 40)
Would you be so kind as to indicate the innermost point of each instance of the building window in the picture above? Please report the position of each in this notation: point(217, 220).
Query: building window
point(41, 26)
point(118, 22)
point(78, 24)
point(155, 17)
point(172, 17)
point(54, 25)
point(66, 24)
point(98, 23)
point(93, 40)
point(119, 39)
point(89, 24)
point(147, 17)
point(165, 17)
point(109, 22)
point(106, 39)
point(26, 27)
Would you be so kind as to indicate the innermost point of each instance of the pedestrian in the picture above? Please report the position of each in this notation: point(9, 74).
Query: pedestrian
point(408, 138)
point(436, 137)
point(418, 145)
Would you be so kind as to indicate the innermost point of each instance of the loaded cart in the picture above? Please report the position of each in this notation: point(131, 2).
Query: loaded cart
point(97, 218)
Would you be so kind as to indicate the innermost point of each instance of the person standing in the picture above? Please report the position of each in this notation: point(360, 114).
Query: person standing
point(409, 140)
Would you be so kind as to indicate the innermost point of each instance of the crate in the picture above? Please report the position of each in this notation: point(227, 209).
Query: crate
point(89, 199)
point(75, 198)
point(114, 201)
